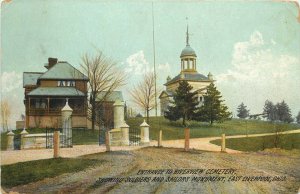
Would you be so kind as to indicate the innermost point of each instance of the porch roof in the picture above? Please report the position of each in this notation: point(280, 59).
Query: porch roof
point(56, 91)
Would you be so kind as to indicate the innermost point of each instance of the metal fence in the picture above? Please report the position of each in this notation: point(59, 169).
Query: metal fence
point(65, 139)
point(134, 136)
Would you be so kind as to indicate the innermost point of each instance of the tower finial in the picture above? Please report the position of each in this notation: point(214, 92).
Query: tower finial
point(187, 32)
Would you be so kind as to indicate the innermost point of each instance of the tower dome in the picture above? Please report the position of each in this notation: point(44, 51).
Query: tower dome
point(188, 56)
point(188, 51)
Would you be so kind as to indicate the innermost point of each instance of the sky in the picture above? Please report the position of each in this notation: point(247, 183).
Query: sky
point(252, 48)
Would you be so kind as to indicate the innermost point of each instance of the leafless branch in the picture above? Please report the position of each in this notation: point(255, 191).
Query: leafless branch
point(104, 76)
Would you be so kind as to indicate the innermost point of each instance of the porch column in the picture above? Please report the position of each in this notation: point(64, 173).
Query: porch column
point(48, 104)
point(27, 115)
point(29, 106)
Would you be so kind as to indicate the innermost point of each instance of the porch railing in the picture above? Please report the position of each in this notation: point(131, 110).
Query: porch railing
point(53, 111)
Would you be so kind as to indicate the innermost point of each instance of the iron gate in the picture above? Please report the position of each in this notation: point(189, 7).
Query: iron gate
point(17, 142)
point(134, 136)
point(64, 142)
point(49, 138)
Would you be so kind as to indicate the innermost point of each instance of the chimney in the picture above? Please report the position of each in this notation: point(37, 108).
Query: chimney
point(51, 62)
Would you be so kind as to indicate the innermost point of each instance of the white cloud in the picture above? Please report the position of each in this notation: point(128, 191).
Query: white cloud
point(137, 64)
point(10, 81)
point(259, 73)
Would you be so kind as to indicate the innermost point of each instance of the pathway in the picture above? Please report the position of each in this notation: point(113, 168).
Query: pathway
point(204, 143)
point(14, 156)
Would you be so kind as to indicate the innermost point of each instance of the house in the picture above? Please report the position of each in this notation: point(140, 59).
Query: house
point(46, 94)
point(188, 72)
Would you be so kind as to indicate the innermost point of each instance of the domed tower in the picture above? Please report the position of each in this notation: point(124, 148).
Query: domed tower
point(188, 56)
point(189, 73)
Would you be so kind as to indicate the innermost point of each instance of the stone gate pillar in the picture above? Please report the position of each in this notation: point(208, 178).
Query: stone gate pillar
point(66, 113)
point(23, 139)
point(125, 134)
point(145, 133)
point(118, 114)
point(10, 141)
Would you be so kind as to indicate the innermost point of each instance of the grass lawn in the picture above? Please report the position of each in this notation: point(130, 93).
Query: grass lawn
point(27, 172)
point(175, 130)
point(286, 141)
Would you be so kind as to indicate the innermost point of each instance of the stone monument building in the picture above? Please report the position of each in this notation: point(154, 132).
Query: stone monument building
point(188, 72)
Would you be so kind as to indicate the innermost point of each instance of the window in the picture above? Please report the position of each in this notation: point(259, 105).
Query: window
point(61, 83)
point(71, 83)
point(66, 83)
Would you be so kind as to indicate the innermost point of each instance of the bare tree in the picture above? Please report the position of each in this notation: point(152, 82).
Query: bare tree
point(143, 94)
point(5, 114)
point(103, 77)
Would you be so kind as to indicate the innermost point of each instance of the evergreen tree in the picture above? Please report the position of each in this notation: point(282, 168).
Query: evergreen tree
point(284, 112)
point(298, 118)
point(270, 111)
point(213, 108)
point(242, 111)
point(184, 104)
point(280, 111)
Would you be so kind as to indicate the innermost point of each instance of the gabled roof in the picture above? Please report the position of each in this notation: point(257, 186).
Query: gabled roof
point(56, 91)
point(63, 70)
point(30, 78)
point(112, 97)
point(189, 77)
point(168, 93)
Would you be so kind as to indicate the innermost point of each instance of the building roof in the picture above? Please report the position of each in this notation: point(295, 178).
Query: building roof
point(188, 51)
point(63, 70)
point(30, 78)
point(112, 97)
point(188, 77)
point(168, 93)
point(56, 91)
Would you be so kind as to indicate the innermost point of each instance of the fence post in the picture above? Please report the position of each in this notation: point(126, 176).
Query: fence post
point(145, 133)
point(187, 139)
point(160, 138)
point(66, 118)
point(125, 134)
point(23, 140)
point(56, 144)
point(10, 141)
point(107, 141)
point(223, 145)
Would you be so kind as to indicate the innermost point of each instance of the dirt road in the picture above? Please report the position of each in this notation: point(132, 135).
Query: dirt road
point(128, 163)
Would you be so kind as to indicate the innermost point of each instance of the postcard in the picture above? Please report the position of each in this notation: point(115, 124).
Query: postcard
point(150, 96)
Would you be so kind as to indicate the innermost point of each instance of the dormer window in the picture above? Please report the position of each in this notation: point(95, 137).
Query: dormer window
point(61, 83)
point(71, 83)
point(66, 83)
